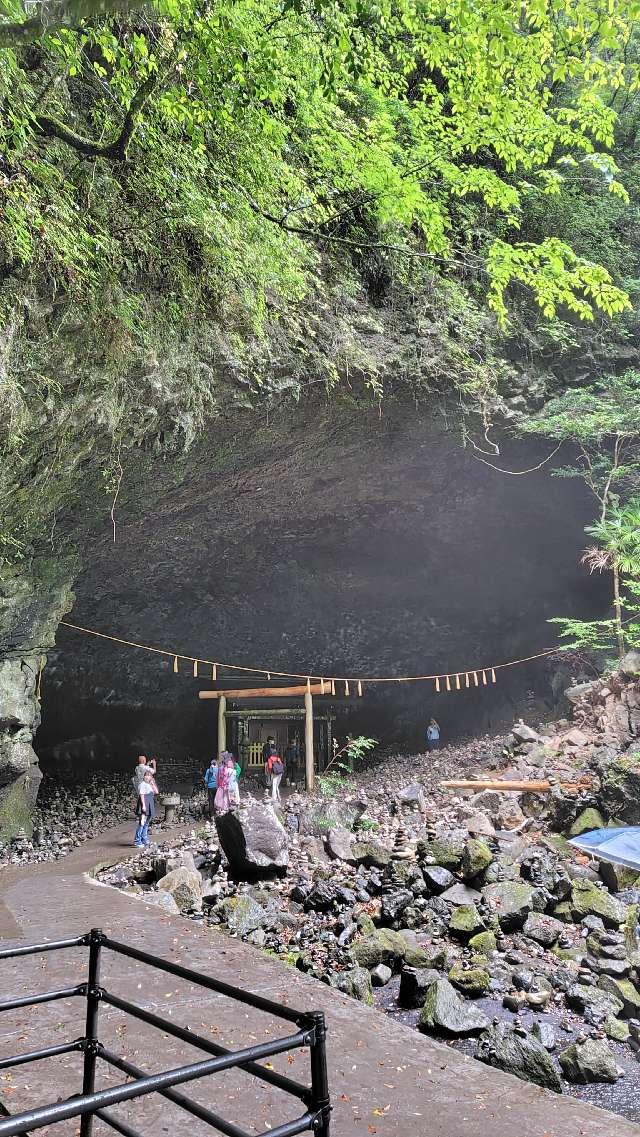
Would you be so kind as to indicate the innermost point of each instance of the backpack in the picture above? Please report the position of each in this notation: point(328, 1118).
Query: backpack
point(276, 766)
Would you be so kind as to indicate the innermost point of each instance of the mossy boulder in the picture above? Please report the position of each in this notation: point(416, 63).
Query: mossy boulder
point(519, 1053)
point(383, 946)
point(444, 851)
point(242, 914)
point(512, 901)
point(582, 997)
point(446, 1012)
point(589, 1061)
point(589, 900)
point(465, 921)
point(483, 942)
point(421, 957)
point(472, 981)
point(356, 982)
point(625, 992)
point(477, 857)
point(617, 1030)
point(589, 819)
point(370, 854)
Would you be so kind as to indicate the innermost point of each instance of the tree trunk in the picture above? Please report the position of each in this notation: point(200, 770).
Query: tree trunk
point(617, 607)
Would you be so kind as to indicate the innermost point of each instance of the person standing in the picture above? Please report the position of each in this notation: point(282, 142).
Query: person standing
point(268, 750)
point(433, 735)
point(145, 810)
point(141, 769)
point(275, 766)
point(222, 800)
point(211, 782)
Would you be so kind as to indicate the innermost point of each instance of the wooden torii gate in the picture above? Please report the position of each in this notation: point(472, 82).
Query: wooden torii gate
point(307, 690)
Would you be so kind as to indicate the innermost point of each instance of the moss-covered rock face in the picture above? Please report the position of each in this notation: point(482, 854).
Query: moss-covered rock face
point(31, 605)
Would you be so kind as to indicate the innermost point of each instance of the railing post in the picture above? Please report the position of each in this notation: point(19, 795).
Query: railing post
point(321, 1101)
point(91, 1030)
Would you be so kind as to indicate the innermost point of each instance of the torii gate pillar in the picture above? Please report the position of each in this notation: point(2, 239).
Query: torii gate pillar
point(222, 724)
point(308, 741)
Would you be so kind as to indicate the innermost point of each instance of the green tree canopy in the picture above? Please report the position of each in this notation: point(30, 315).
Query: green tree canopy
point(258, 125)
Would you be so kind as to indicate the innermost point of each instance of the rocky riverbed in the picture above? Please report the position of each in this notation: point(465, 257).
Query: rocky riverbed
point(467, 915)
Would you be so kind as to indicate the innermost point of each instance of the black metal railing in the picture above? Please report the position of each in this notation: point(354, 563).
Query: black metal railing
point(89, 1104)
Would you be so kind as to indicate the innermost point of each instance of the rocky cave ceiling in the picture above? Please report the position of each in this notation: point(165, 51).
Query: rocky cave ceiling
point(329, 539)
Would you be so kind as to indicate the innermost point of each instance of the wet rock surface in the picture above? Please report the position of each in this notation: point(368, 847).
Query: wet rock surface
point(501, 939)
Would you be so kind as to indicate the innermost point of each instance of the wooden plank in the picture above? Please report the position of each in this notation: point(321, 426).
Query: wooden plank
point(506, 787)
point(265, 692)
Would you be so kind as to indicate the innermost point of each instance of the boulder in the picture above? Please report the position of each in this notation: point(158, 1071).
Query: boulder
point(589, 1061)
point(512, 1049)
point(382, 946)
point(414, 983)
point(394, 903)
point(339, 844)
point(586, 821)
point(472, 981)
point(620, 787)
point(444, 851)
point(444, 1010)
point(242, 914)
point(589, 900)
point(543, 929)
point(254, 841)
point(412, 795)
point(617, 1030)
point(370, 854)
point(523, 733)
point(423, 956)
point(381, 975)
point(466, 921)
point(483, 943)
point(322, 896)
point(512, 901)
point(460, 894)
point(601, 1004)
point(617, 877)
point(477, 857)
point(437, 879)
point(162, 900)
point(624, 991)
point(479, 824)
point(184, 885)
point(356, 982)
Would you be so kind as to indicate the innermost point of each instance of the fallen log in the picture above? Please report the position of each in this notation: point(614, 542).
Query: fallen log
point(507, 787)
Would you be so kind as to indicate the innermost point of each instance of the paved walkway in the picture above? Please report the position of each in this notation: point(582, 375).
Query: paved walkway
point(386, 1080)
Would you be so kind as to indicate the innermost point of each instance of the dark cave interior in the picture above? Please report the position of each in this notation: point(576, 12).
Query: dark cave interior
point(335, 542)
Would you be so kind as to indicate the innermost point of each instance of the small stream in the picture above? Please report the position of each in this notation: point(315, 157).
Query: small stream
point(622, 1097)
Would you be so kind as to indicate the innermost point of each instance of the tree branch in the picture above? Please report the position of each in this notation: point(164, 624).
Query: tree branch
point(117, 149)
point(52, 17)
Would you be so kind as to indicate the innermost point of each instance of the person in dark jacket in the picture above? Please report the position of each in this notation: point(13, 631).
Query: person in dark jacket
point(211, 782)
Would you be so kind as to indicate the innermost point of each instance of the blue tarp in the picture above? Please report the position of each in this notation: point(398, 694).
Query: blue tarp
point(620, 846)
